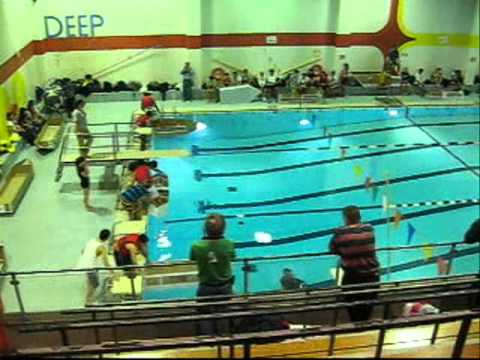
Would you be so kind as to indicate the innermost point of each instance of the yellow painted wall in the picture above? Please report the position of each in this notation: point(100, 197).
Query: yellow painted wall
point(4, 104)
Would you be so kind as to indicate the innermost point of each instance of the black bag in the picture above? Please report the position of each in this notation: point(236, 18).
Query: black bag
point(261, 323)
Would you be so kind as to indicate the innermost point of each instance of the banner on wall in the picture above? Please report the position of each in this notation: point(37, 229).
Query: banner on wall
point(72, 26)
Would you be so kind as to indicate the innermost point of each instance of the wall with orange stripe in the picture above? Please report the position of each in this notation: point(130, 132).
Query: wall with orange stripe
point(233, 31)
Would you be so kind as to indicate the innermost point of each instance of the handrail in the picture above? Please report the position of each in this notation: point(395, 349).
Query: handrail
point(323, 296)
point(248, 339)
point(272, 293)
point(238, 260)
point(298, 296)
point(235, 314)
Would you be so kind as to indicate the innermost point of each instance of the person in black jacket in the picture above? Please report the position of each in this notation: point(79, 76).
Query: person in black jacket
point(473, 234)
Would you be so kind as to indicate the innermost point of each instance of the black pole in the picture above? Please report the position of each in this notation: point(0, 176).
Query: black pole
point(246, 350)
point(461, 338)
point(381, 340)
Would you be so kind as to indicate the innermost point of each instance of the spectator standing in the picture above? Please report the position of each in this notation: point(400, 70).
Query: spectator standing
point(83, 172)
point(344, 78)
point(213, 255)
point(355, 244)
point(94, 255)
point(271, 85)
point(81, 127)
point(187, 75)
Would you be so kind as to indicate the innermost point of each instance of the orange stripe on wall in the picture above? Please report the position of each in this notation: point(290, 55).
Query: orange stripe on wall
point(384, 39)
point(8, 68)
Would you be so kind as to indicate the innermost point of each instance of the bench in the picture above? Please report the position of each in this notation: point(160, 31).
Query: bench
point(14, 186)
point(51, 134)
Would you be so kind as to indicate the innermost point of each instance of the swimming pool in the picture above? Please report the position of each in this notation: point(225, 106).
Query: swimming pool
point(283, 175)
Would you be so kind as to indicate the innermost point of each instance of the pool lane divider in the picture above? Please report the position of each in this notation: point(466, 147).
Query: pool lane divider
point(199, 175)
point(197, 150)
point(203, 206)
point(378, 146)
point(327, 232)
point(385, 205)
point(328, 210)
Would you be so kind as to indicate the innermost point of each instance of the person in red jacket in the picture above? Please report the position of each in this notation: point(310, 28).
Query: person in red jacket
point(128, 247)
point(148, 102)
point(144, 120)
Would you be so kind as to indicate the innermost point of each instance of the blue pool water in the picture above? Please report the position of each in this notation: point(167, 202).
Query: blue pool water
point(266, 173)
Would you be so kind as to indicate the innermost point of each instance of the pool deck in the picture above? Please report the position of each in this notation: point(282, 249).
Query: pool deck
point(346, 102)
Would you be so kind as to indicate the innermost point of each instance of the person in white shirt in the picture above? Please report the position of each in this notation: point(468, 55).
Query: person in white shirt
point(262, 80)
point(81, 127)
point(271, 85)
point(420, 77)
point(94, 255)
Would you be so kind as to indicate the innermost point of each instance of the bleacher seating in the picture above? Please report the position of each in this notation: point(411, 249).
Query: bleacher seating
point(316, 310)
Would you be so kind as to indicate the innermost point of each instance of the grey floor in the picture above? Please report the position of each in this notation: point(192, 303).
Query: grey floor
point(51, 226)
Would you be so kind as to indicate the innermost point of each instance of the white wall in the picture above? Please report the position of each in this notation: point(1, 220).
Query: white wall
point(15, 26)
point(447, 23)
point(441, 16)
point(143, 17)
point(194, 17)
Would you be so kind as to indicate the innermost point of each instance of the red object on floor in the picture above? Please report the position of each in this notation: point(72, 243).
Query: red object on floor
point(4, 342)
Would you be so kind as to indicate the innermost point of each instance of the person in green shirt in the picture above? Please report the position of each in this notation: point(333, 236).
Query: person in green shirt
point(213, 255)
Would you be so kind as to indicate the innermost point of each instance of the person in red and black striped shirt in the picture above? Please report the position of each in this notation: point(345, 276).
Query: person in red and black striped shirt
point(355, 244)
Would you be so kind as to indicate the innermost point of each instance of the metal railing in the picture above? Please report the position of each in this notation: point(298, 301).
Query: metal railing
point(243, 266)
point(116, 139)
point(451, 288)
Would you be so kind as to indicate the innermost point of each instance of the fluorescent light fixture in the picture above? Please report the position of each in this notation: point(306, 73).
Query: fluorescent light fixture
point(263, 237)
point(393, 112)
point(304, 122)
point(201, 126)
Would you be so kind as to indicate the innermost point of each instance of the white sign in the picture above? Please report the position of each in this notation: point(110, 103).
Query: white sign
point(271, 39)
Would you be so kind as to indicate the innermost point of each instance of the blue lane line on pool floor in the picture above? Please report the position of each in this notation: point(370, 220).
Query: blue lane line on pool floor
point(326, 137)
point(203, 206)
point(325, 232)
point(200, 175)
point(451, 153)
point(324, 210)
point(275, 213)
point(411, 264)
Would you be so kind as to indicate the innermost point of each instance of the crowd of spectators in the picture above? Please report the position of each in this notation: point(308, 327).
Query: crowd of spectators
point(26, 122)
point(295, 82)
